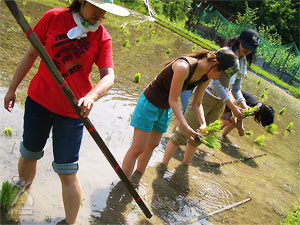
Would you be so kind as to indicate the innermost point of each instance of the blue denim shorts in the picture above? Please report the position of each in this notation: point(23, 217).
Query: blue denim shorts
point(66, 137)
point(147, 116)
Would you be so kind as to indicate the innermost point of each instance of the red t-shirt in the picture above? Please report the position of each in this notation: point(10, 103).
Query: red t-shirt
point(73, 58)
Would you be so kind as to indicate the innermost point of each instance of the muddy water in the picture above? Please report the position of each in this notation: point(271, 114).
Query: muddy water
point(175, 194)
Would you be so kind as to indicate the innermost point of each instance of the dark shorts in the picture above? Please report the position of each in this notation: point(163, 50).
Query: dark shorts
point(66, 137)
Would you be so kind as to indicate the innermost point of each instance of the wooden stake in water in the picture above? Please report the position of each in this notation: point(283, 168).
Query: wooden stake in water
point(214, 212)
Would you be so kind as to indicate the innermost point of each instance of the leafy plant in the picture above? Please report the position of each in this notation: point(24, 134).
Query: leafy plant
point(258, 82)
point(292, 216)
point(249, 133)
point(126, 43)
point(28, 19)
point(282, 111)
point(210, 135)
point(290, 126)
point(7, 131)
point(7, 195)
point(138, 40)
point(137, 77)
point(168, 51)
point(260, 140)
point(249, 112)
point(272, 128)
point(263, 95)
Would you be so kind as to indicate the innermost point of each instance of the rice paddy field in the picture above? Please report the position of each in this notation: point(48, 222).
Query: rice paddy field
point(259, 171)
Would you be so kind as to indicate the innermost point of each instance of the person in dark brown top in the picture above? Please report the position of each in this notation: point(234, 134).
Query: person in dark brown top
point(154, 108)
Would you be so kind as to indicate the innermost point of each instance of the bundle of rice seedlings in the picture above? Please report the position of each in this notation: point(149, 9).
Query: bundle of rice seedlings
point(282, 111)
point(249, 112)
point(272, 128)
point(260, 140)
point(258, 82)
point(249, 133)
point(290, 126)
point(7, 195)
point(7, 131)
point(210, 135)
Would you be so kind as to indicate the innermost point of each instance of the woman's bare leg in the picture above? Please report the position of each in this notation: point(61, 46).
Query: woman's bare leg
point(152, 143)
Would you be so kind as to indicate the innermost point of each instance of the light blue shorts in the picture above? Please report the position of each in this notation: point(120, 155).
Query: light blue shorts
point(147, 116)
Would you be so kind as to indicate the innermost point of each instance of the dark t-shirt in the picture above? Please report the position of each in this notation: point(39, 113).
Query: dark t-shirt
point(250, 99)
point(157, 92)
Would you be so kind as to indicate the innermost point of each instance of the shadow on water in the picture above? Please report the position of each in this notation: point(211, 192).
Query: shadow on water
point(198, 159)
point(230, 149)
point(169, 201)
point(116, 204)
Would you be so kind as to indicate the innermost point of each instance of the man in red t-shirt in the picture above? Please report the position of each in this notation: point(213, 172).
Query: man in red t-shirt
point(75, 39)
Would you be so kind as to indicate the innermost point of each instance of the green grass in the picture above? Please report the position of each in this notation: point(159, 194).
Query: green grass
point(292, 216)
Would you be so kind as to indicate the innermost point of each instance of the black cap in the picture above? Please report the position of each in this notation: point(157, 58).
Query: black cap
point(250, 39)
point(228, 63)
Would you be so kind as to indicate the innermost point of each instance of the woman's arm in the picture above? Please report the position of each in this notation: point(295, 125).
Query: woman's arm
point(22, 69)
point(237, 93)
point(181, 71)
point(98, 91)
point(197, 104)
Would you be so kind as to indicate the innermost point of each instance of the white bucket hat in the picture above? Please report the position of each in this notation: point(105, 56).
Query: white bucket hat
point(109, 6)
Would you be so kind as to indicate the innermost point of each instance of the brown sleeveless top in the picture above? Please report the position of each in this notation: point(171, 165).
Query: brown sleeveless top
point(158, 91)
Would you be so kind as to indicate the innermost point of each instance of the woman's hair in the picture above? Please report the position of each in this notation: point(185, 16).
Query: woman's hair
point(265, 115)
point(75, 6)
point(234, 43)
point(211, 57)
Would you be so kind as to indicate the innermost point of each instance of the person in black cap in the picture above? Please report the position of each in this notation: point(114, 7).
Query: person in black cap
point(154, 108)
point(263, 115)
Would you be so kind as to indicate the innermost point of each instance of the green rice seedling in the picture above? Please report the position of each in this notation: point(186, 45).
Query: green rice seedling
point(138, 40)
point(272, 128)
point(292, 216)
point(126, 43)
point(122, 26)
point(125, 31)
point(282, 111)
point(214, 127)
point(137, 77)
point(267, 88)
point(210, 135)
point(7, 131)
point(263, 95)
point(258, 83)
point(137, 26)
point(7, 195)
point(152, 32)
point(260, 140)
point(290, 126)
point(168, 51)
point(150, 25)
point(249, 133)
point(249, 112)
point(211, 141)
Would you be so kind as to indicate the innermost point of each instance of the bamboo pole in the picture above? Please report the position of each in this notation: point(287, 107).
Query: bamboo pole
point(214, 212)
point(11, 4)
